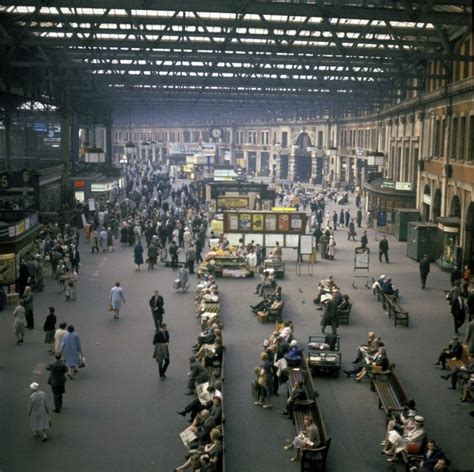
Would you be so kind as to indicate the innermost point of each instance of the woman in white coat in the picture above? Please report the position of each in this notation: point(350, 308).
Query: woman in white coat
point(331, 248)
point(19, 322)
point(38, 412)
point(116, 299)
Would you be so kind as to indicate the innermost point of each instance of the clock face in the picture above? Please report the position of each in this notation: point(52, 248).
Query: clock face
point(216, 133)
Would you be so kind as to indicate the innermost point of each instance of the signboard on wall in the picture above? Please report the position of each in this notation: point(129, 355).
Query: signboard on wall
point(403, 186)
point(232, 202)
point(264, 222)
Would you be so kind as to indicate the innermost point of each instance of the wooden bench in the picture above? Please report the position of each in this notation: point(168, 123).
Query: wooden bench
point(271, 314)
point(312, 459)
point(392, 394)
point(343, 315)
point(391, 306)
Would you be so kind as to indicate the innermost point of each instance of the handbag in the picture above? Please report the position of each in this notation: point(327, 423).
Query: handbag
point(82, 362)
point(110, 307)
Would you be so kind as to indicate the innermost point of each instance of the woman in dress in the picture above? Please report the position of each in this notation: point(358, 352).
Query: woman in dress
point(116, 299)
point(28, 304)
point(19, 322)
point(71, 347)
point(38, 412)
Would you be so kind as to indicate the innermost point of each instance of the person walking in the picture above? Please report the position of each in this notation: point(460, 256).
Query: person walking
point(38, 412)
point(190, 257)
point(329, 316)
point(94, 241)
point(138, 255)
point(152, 255)
point(352, 232)
point(364, 240)
point(424, 270)
point(19, 321)
point(173, 250)
point(116, 299)
point(70, 285)
point(331, 248)
point(359, 218)
point(383, 249)
point(161, 352)
point(71, 347)
point(59, 336)
point(28, 304)
point(49, 329)
point(458, 310)
point(183, 279)
point(57, 381)
point(157, 308)
point(74, 258)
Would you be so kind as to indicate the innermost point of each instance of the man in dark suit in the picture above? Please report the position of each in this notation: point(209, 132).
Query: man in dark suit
point(157, 308)
point(424, 270)
point(75, 258)
point(57, 380)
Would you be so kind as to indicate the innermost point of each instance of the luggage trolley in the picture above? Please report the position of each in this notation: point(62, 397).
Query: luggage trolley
point(322, 357)
point(361, 266)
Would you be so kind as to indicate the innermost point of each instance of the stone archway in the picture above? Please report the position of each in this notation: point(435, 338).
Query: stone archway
point(303, 157)
point(469, 240)
point(455, 207)
point(437, 204)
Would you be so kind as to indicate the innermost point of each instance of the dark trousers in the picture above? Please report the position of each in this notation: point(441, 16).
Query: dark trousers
point(385, 254)
point(423, 280)
point(191, 267)
point(163, 365)
point(157, 319)
point(58, 397)
point(174, 261)
point(30, 321)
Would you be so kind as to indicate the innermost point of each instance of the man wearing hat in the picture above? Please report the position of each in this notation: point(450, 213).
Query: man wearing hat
point(38, 412)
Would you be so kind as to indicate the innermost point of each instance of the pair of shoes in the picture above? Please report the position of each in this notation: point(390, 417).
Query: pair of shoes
point(57, 411)
point(461, 400)
point(258, 403)
point(436, 363)
point(44, 438)
point(162, 377)
point(267, 405)
point(182, 413)
point(382, 443)
point(283, 413)
point(294, 459)
point(444, 377)
point(443, 368)
point(288, 447)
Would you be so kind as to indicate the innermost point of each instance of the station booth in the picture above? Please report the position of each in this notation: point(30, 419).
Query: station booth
point(97, 186)
point(18, 231)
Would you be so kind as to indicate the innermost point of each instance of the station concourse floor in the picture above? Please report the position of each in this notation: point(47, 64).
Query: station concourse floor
point(118, 416)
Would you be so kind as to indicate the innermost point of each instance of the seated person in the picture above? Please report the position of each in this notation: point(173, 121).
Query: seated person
point(369, 348)
point(309, 438)
point(410, 441)
point(266, 281)
point(468, 388)
point(298, 394)
point(194, 407)
point(198, 374)
point(345, 303)
point(212, 353)
point(286, 332)
point(197, 458)
point(434, 459)
point(293, 356)
point(324, 287)
point(402, 422)
point(387, 286)
point(452, 351)
point(379, 359)
point(378, 283)
point(462, 373)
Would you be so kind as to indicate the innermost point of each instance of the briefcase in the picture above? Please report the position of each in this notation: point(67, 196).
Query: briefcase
point(177, 284)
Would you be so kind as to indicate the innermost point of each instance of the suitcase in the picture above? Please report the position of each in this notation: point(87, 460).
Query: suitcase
point(177, 284)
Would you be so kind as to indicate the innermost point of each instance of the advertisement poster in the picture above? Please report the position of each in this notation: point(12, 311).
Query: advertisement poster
point(7, 269)
point(245, 222)
point(283, 223)
point(257, 223)
point(270, 223)
point(296, 222)
point(232, 222)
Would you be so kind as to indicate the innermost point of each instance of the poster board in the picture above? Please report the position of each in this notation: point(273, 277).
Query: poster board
point(306, 244)
point(91, 203)
point(232, 202)
point(271, 239)
point(361, 258)
point(292, 240)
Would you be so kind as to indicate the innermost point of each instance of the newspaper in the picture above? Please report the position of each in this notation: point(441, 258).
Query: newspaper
point(187, 436)
point(203, 395)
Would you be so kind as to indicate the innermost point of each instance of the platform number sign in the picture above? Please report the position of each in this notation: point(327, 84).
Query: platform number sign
point(5, 180)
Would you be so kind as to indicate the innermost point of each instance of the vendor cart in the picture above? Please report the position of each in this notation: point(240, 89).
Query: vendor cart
point(322, 357)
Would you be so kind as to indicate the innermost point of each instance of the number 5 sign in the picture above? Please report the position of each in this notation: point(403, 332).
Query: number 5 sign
point(5, 180)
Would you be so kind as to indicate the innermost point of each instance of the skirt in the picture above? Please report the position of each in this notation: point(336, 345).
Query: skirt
point(49, 337)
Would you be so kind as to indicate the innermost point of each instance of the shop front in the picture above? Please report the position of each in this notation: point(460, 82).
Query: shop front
point(384, 197)
point(18, 231)
point(449, 251)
